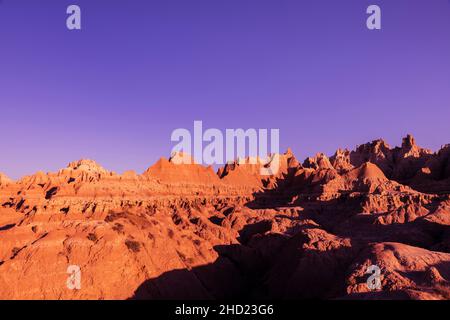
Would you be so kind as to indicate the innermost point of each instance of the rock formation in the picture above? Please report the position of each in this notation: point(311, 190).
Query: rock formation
point(180, 230)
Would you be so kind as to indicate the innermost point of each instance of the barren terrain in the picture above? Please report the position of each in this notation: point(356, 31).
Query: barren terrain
point(180, 231)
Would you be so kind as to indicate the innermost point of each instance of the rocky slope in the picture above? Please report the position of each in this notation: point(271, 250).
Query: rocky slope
point(182, 231)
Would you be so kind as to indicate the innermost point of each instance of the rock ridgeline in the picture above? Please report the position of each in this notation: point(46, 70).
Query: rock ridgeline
point(180, 230)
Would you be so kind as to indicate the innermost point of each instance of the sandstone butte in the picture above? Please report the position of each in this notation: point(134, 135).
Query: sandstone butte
point(183, 231)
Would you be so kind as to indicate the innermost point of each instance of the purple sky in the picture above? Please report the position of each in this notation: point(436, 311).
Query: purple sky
point(115, 90)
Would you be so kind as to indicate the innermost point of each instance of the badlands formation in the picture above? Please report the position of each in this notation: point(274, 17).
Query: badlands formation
point(181, 231)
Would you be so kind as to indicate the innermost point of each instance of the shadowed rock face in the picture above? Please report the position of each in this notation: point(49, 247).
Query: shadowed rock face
point(181, 231)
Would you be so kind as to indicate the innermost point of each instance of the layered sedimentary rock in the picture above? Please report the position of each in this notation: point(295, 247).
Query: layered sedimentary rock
point(180, 230)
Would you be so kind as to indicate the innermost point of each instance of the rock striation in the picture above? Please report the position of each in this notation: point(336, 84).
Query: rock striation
point(181, 231)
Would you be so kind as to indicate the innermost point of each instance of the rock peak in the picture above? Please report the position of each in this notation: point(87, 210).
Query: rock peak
point(86, 165)
point(289, 152)
point(319, 161)
point(4, 178)
point(181, 158)
point(408, 142)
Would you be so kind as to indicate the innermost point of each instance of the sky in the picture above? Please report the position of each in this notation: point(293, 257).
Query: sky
point(116, 89)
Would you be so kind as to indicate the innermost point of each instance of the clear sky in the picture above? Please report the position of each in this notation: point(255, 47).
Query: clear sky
point(137, 70)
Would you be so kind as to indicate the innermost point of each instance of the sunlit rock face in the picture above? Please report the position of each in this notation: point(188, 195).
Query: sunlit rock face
point(180, 230)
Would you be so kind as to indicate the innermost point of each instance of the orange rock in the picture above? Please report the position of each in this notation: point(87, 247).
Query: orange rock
point(180, 230)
